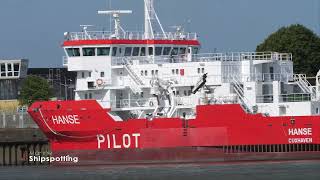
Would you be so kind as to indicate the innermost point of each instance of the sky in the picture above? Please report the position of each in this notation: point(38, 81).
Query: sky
point(33, 29)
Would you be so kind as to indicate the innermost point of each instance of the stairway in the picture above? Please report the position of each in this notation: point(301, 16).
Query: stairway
point(239, 91)
point(136, 81)
point(304, 84)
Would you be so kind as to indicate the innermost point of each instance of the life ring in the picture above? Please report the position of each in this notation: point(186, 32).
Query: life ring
point(151, 104)
point(99, 82)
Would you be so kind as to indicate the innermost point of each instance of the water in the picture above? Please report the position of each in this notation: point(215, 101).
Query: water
point(307, 170)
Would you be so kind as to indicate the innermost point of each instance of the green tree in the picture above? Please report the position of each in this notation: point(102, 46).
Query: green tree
point(33, 89)
point(301, 42)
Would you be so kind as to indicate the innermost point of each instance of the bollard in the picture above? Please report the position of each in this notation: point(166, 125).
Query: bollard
point(3, 120)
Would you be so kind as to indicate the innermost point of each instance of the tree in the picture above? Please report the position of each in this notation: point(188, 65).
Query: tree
point(301, 42)
point(33, 89)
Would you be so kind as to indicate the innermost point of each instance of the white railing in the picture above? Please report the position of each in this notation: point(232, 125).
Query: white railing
point(233, 56)
point(294, 97)
point(301, 97)
point(102, 35)
point(259, 77)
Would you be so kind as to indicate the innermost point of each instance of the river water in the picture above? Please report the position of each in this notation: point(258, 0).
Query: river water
point(306, 170)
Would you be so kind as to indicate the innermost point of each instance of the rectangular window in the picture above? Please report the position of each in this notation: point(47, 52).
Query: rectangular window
point(114, 51)
point(143, 51)
point(150, 49)
point(3, 69)
point(16, 69)
point(89, 74)
point(16, 66)
point(103, 51)
point(174, 51)
point(82, 74)
point(101, 74)
point(88, 51)
point(166, 51)
point(90, 85)
point(158, 51)
point(135, 51)
point(73, 52)
point(9, 67)
point(182, 51)
point(128, 51)
point(195, 50)
point(85, 96)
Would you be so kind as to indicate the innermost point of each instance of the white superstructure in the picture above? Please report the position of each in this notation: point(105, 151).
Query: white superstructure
point(150, 74)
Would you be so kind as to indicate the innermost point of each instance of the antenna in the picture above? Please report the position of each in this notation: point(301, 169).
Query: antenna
point(116, 16)
point(84, 28)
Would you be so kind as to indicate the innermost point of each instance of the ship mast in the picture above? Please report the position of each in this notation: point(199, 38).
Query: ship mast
point(150, 19)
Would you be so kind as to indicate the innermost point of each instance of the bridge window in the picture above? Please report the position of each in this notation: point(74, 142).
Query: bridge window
point(182, 50)
point(174, 51)
point(150, 49)
point(114, 51)
point(143, 51)
point(135, 51)
point(103, 51)
point(195, 50)
point(166, 51)
point(73, 52)
point(158, 51)
point(128, 51)
point(88, 51)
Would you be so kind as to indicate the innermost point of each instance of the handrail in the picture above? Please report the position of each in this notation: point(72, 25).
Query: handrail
point(105, 35)
point(182, 58)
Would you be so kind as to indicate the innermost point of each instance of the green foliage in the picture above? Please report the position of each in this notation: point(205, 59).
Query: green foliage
point(34, 88)
point(301, 42)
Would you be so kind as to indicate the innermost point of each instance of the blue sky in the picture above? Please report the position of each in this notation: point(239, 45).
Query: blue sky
point(34, 29)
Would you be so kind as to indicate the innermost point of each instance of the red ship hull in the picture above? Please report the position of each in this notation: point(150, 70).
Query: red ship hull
point(218, 133)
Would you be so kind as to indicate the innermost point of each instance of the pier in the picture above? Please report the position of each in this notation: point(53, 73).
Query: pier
point(21, 138)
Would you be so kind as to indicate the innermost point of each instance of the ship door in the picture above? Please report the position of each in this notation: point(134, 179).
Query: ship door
point(189, 55)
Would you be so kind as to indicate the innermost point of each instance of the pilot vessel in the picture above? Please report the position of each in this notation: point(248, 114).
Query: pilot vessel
point(151, 97)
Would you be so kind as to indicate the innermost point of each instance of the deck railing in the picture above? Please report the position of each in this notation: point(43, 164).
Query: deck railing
point(233, 56)
point(104, 35)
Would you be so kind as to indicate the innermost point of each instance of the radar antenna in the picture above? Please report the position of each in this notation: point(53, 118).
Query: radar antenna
point(116, 16)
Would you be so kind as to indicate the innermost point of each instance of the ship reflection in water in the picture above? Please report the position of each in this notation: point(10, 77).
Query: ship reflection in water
point(253, 170)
